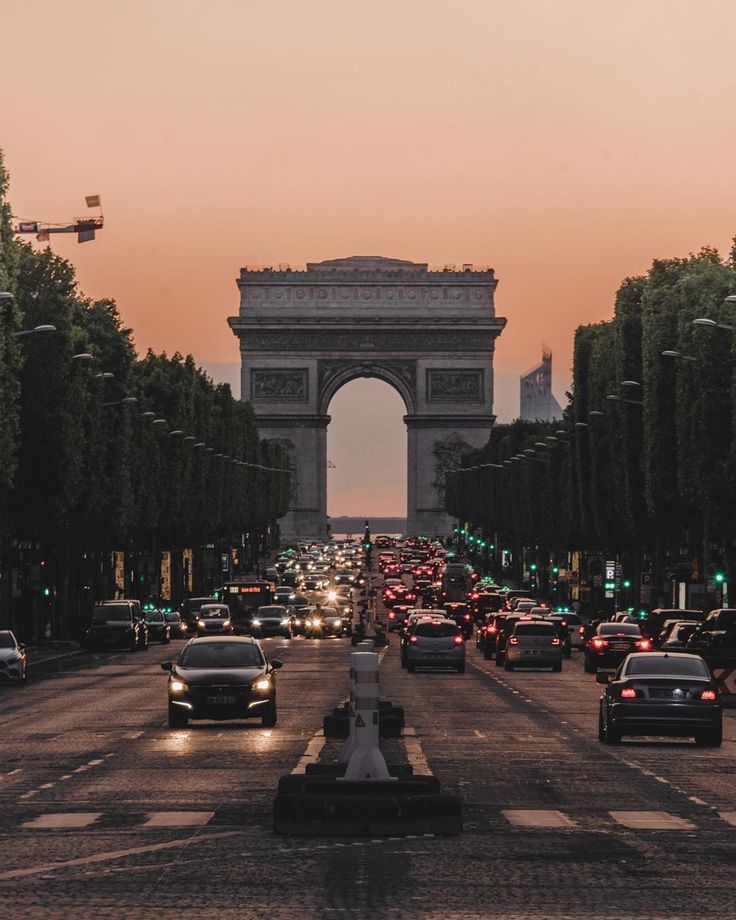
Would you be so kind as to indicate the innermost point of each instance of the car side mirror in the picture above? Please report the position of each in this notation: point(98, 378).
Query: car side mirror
point(276, 664)
point(602, 679)
point(166, 665)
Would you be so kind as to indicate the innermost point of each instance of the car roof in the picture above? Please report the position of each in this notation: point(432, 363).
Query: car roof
point(244, 640)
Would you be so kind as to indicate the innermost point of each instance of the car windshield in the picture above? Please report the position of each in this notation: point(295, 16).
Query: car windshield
point(271, 611)
point(661, 665)
point(6, 641)
point(172, 618)
point(155, 616)
point(727, 618)
point(221, 655)
point(214, 613)
point(111, 612)
point(436, 630)
point(534, 629)
point(619, 629)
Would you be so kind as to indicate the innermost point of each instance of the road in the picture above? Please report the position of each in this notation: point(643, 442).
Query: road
point(104, 811)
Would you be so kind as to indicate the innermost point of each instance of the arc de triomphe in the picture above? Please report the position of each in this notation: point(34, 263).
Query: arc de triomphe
point(429, 334)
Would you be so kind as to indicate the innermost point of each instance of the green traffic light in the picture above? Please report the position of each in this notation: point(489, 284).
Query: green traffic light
point(627, 584)
point(720, 578)
point(555, 570)
point(533, 567)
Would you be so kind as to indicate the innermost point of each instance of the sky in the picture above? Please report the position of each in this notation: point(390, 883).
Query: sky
point(565, 143)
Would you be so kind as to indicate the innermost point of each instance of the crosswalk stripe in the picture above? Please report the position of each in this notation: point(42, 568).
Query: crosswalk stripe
point(651, 820)
point(529, 817)
point(64, 819)
point(728, 816)
point(178, 818)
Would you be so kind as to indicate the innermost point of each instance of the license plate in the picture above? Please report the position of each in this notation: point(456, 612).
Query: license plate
point(221, 700)
point(618, 646)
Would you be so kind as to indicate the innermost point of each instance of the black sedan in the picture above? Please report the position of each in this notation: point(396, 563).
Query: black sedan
point(221, 677)
point(158, 626)
point(611, 643)
point(654, 693)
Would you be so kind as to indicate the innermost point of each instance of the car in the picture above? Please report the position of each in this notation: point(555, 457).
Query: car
point(13, 660)
point(536, 643)
point(271, 574)
point(117, 625)
point(611, 643)
point(282, 594)
point(178, 629)
point(675, 635)
point(190, 610)
point(397, 616)
point(460, 613)
point(214, 619)
point(334, 623)
point(716, 634)
point(563, 631)
point(158, 627)
point(221, 677)
point(345, 577)
point(435, 643)
point(656, 693)
point(415, 615)
point(505, 628)
point(273, 620)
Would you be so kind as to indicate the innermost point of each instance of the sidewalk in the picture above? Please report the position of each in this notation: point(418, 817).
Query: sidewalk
point(52, 650)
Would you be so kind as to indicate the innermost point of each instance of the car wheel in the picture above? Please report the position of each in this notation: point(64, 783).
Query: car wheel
point(557, 667)
point(612, 735)
point(568, 653)
point(133, 645)
point(487, 653)
point(601, 726)
point(410, 668)
point(499, 660)
point(589, 667)
point(507, 665)
point(177, 719)
point(461, 668)
point(712, 738)
point(167, 640)
point(269, 719)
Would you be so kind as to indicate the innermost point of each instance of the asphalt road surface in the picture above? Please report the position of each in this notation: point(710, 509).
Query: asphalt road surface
point(106, 812)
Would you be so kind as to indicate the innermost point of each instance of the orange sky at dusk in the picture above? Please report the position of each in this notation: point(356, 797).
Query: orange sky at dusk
point(564, 143)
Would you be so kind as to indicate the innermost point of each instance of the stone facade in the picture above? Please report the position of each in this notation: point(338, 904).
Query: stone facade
point(429, 334)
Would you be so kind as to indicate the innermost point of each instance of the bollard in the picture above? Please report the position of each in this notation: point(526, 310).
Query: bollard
point(362, 752)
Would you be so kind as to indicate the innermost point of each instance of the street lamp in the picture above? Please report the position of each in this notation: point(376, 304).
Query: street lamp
point(148, 414)
point(104, 375)
point(669, 353)
point(712, 324)
point(83, 356)
point(581, 424)
point(34, 331)
point(596, 413)
point(126, 401)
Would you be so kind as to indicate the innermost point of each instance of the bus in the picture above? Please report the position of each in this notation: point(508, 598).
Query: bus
point(243, 597)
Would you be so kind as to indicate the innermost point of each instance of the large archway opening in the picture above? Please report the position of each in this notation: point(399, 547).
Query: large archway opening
point(366, 452)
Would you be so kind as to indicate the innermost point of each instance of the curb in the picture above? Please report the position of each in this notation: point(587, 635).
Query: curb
point(366, 815)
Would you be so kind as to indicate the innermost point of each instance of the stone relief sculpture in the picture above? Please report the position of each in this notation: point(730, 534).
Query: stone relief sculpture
point(279, 384)
point(454, 385)
point(447, 454)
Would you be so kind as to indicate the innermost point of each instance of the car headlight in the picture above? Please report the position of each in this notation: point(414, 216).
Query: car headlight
point(307, 622)
point(332, 595)
point(256, 622)
point(263, 683)
point(285, 621)
point(201, 623)
point(226, 622)
point(297, 622)
point(178, 686)
point(182, 626)
point(316, 621)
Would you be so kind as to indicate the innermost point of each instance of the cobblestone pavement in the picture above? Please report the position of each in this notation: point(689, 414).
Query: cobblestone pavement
point(106, 812)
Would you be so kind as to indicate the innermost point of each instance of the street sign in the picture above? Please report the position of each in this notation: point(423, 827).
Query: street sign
point(646, 578)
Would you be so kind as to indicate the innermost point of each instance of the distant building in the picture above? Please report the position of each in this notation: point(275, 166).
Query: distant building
point(537, 400)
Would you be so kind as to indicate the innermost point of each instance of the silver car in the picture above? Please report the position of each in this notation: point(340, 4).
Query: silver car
point(534, 643)
point(274, 620)
point(214, 620)
point(435, 643)
point(12, 658)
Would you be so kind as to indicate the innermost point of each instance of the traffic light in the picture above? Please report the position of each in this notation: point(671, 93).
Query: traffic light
point(46, 591)
point(533, 567)
point(555, 570)
point(719, 578)
point(627, 583)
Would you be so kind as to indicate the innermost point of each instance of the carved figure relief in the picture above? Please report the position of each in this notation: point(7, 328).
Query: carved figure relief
point(455, 385)
point(447, 454)
point(279, 384)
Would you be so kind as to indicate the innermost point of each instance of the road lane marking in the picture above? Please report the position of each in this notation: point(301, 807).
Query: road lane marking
point(728, 816)
point(311, 754)
point(104, 857)
point(178, 818)
point(651, 820)
point(414, 752)
point(65, 819)
point(530, 817)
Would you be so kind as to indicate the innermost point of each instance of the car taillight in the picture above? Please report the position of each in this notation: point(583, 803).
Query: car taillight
point(458, 640)
point(513, 640)
point(556, 641)
point(581, 630)
point(392, 615)
point(708, 695)
point(644, 644)
point(628, 693)
point(599, 643)
point(413, 639)
point(467, 616)
point(492, 629)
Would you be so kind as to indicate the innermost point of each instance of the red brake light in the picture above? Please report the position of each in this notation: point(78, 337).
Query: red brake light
point(413, 639)
point(581, 630)
point(555, 641)
point(644, 643)
point(599, 643)
point(492, 629)
point(458, 640)
point(467, 616)
point(628, 693)
point(391, 615)
point(708, 695)
point(513, 640)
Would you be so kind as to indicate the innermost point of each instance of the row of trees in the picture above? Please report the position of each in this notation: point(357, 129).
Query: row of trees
point(101, 451)
point(643, 465)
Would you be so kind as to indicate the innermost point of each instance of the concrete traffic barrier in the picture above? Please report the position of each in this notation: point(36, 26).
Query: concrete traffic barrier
point(338, 769)
point(308, 784)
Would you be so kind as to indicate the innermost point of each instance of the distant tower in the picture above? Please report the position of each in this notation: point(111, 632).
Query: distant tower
point(538, 403)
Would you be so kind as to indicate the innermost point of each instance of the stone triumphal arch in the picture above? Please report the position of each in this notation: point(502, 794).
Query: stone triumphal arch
point(429, 334)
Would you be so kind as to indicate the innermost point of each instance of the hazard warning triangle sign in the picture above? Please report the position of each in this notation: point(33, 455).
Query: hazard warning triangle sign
point(359, 723)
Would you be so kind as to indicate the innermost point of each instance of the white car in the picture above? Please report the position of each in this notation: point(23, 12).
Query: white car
point(12, 658)
point(534, 643)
